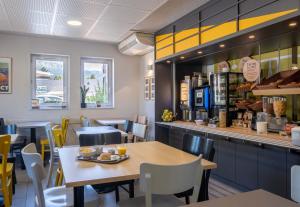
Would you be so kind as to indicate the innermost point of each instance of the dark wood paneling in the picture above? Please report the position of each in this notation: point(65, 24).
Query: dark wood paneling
point(272, 170)
point(246, 167)
point(226, 160)
point(163, 89)
point(176, 137)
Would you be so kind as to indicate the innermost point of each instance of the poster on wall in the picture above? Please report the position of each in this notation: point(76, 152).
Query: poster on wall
point(5, 75)
point(251, 70)
point(152, 88)
point(147, 88)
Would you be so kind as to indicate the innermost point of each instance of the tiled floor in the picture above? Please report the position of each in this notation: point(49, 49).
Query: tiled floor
point(24, 196)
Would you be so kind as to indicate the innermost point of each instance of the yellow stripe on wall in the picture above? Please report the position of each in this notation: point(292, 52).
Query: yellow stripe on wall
point(162, 36)
point(252, 21)
point(190, 42)
point(164, 42)
point(164, 52)
point(218, 32)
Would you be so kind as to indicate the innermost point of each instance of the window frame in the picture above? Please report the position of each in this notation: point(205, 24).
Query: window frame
point(111, 77)
point(66, 74)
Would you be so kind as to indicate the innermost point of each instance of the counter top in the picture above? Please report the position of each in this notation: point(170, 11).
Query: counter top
point(242, 134)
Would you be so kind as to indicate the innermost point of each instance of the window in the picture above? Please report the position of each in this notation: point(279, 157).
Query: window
point(97, 79)
point(49, 81)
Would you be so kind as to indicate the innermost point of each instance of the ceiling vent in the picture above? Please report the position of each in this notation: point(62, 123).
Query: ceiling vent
point(137, 44)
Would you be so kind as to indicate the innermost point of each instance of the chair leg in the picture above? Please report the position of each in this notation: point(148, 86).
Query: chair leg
point(187, 199)
point(131, 189)
point(117, 194)
point(61, 177)
point(57, 177)
point(5, 192)
point(43, 152)
point(14, 180)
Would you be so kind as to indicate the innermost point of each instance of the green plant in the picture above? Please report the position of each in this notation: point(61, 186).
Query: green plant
point(83, 91)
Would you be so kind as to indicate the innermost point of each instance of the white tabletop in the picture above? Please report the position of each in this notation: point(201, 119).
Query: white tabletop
point(32, 124)
point(98, 130)
point(111, 121)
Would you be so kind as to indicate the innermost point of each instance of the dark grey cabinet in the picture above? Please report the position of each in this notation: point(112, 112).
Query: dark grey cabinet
point(226, 159)
point(246, 165)
point(272, 170)
point(176, 137)
point(293, 158)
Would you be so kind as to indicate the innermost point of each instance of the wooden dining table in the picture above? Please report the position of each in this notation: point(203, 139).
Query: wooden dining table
point(256, 198)
point(111, 122)
point(32, 125)
point(77, 173)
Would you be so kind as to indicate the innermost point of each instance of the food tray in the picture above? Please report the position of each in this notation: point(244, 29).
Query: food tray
point(292, 82)
point(94, 159)
point(277, 79)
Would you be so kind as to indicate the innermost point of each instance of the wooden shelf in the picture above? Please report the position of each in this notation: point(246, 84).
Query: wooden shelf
point(274, 92)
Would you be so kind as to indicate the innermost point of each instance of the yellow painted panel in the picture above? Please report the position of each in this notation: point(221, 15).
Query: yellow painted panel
point(164, 42)
point(162, 36)
point(206, 27)
point(188, 43)
point(219, 31)
point(164, 52)
point(185, 33)
point(252, 21)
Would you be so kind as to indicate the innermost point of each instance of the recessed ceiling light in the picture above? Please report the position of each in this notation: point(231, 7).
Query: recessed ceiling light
point(74, 23)
point(293, 24)
point(221, 45)
point(251, 36)
point(182, 57)
point(199, 52)
point(168, 61)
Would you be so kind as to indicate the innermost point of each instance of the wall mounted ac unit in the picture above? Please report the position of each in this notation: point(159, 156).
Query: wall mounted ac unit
point(137, 44)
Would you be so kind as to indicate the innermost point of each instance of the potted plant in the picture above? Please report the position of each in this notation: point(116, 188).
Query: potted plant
point(83, 91)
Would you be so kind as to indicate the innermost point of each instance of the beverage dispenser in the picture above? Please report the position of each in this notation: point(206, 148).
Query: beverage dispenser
point(186, 98)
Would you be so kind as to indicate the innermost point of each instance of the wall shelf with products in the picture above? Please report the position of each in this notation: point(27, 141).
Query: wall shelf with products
point(276, 92)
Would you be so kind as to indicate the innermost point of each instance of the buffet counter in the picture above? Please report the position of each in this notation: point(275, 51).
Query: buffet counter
point(242, 134)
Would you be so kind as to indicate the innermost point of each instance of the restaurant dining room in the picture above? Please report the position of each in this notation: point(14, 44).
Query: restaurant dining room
point(154, 103)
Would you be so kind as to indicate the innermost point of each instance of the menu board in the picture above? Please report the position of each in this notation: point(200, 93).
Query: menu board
point(251, 70)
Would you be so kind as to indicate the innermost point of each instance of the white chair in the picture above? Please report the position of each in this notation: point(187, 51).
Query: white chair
point(56, 196)
point(295, 183)
point(139, 132)
point(159, 183)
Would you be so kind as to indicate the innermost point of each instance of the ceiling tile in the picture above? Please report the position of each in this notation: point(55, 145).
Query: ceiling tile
point(112, 27)
point(61, 20)
point(148, 5)
point(123, 14)
point(104, 37)
point(80, 9)
point(97, 1)
point(14, 6)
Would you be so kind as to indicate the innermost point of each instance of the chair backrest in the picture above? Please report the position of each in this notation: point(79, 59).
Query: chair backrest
point(170, 179)
point(128, 126)
point(100, 139)
point(52, 149)
point(139, 130)
point(140, 119)
point(196, 145)
point(295, 183)
point(64, 127)
point(30, 156)
point(4, 149)
point(2, 126)
point(38, 175)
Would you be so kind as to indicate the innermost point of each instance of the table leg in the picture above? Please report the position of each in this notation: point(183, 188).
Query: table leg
point(78, 196)
point(33, 135)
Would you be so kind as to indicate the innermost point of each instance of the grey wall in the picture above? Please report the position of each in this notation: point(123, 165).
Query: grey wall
point(17, 106)
point(146, 107)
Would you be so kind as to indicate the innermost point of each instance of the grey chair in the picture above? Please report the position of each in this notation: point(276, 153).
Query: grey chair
point(107, 139)
point(159, 182)
point(99, 139)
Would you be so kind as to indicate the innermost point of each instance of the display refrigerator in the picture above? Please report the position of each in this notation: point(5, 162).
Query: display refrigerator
point(224, 94)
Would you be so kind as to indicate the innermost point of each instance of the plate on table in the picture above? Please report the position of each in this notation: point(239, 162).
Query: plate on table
point(114, 159)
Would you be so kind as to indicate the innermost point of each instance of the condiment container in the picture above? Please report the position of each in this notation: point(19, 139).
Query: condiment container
point(279, 106)
point(222, 118)
point(296, 136)
point(262, 127)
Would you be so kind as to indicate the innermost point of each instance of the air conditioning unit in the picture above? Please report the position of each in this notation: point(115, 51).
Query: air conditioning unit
point(137, 44)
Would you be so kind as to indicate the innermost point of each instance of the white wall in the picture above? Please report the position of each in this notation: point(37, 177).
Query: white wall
point(146, 107)
point(17, 106)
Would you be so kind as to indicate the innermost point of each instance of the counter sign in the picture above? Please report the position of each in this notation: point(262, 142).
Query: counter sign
point(251, 70)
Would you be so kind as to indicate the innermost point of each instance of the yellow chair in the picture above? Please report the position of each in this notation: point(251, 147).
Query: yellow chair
point(60, 137)
point(6, 170)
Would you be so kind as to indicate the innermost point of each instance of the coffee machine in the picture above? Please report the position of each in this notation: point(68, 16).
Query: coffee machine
point(202, 103)
point(186, 99)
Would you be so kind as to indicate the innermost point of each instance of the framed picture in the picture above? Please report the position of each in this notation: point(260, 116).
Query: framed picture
point(147, 88)
point(152, 88)
point(5, 75)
